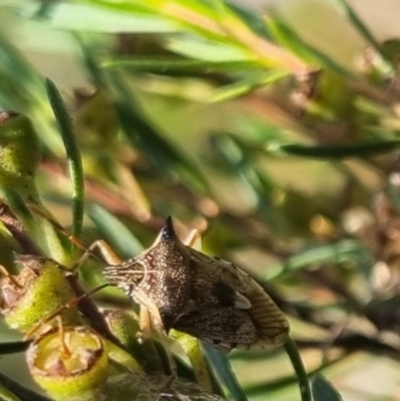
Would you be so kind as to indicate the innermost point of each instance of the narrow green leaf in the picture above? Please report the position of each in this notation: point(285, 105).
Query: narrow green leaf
point(173, 65)
point(333, 253)
point(96, 73)
point(322, 390)
point(336, 151)
point(98, 18)
point(254, 21)
point(7, 395)
point(13, 347)
point(13, 63)
point(17, 392)
point(73, 155)
point(287, 37)
point(224, 370)
point(209, 8)
point(197, 48)
point(176, 18)
point(114, 231)
point(366, 33)
point(248, 85)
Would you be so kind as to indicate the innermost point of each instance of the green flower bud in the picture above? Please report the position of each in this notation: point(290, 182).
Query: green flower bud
point(37, 291)
point(20, 154)
point(125, 327)
point(71, 365)
point(121, 357)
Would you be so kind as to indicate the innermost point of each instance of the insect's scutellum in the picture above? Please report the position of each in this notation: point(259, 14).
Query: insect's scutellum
point(179, 287)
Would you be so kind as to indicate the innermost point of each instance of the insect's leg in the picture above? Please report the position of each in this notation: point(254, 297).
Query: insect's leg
point(150, 313)
point(149, 316)
point(60, 310)
point(193, 240)
point(144, 323)
point(107, 253)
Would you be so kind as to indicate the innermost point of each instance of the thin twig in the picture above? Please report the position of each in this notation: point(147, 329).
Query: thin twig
point(15, 227)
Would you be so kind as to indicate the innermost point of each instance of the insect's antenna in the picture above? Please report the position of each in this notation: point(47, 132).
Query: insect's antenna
point(61, 309)
point(63, 231)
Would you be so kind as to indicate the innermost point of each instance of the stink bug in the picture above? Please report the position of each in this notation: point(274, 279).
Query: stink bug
point(179, 287)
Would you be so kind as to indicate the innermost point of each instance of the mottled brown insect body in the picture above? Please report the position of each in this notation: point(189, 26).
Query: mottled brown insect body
point(203, 296)
point(243, 313)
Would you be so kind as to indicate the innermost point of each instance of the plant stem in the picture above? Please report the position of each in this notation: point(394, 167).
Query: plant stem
point(297, 362)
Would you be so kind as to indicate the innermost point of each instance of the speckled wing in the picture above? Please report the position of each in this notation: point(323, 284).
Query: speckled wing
point(224, 328)
point(271, 325)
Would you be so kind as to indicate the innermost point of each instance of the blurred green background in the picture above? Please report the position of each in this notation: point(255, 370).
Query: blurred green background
point(286, 163)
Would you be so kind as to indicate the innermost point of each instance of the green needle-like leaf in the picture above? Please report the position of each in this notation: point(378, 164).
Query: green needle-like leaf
point(365, 32)
point(13, 347)
point(287, 37)
point(337, 151)
point(176, 65)
point(73, 155)
point(7, 395)
point(115, 232)
point(247, 85)
point(223, 369)
point(331, 253)
point(11, 390)
point(322, 390)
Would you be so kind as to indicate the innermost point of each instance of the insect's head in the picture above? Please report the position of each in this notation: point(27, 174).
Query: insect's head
point(127, 275)
point(167, 254)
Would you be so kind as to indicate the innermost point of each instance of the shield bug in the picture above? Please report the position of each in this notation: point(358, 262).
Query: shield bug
point(179, 287)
